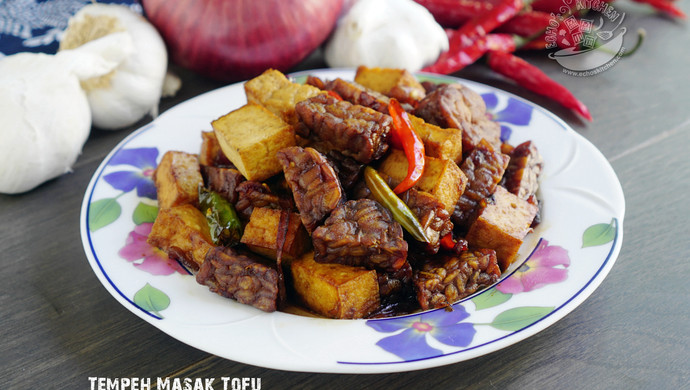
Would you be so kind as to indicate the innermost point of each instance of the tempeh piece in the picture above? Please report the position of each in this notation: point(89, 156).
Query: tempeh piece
point(358, 94)
point(222, 180)
point(361, 233)
point(355, 131)
point(431, 214)
point(314, 183)
point(524, 168)
point(484, 168)
point(237, 276)
point(450, 278)
point(456, 106)
point(253, 194)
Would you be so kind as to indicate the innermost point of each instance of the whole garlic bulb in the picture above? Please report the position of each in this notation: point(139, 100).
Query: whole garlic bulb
point(133, 89)
point(386, 33)
point(45, 114)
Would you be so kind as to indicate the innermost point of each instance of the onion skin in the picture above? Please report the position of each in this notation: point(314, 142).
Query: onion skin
point(231, 40)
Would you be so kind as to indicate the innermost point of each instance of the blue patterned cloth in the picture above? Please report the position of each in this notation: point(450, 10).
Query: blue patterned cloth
point(37, 25)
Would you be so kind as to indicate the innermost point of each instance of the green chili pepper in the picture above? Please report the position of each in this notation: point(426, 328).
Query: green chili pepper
point(383, 194)
point(225, 225)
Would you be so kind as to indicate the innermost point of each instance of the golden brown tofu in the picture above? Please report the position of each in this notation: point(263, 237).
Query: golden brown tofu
point(441, 178)
point(260, 234)
point(395, 83)
point(501, 225)
point(177, 179)
point(211, 154)
point(182, 232)
point(445, 144)
point(335, 290)
point(250, 137)
point(273, 90)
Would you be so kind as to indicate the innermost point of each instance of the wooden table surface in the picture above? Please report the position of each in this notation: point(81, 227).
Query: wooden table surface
point(59, 326)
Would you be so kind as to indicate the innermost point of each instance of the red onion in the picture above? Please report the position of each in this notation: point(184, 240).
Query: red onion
point(231, 40)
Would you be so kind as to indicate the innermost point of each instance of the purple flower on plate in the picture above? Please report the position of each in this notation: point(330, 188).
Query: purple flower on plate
point(416, 331)
point(515, 112)
point(547, 264)
point(144, 159)
point(154, 260)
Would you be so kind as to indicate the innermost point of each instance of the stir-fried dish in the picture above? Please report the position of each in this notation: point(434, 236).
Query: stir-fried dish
point(349, 199)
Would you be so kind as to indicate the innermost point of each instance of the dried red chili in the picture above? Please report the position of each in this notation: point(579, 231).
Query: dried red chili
point(532, 78)
point(526, 23)
point(454, 13)
point(454, 60)
point(486, 22)
point(452, 245)
point(404, 136)
point(334, 94)
point(665, 6)
point(470, 42)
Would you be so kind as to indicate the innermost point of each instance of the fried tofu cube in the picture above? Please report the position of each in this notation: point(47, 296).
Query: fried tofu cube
point(334, 290)
point(502, 224)
point(443, 143)
point(273, 90)
point(395, 83)
point(182, 232)
point(211, 154)
point(250, 137)
point(177, 179)
point(441, 178)
point(260, 234)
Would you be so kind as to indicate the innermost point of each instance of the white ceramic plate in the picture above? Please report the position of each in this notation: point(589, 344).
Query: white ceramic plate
point(561, 263)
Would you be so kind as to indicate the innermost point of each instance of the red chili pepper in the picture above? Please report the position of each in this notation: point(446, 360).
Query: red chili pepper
point(403, 134)
point(665, 6)
point(561, 6)
point(486, 22)
point(454, 60)
point(447, 242)
point(535, 24)
point(527, 24)
point(538, 43)
point(555, 6)
point(452, 245)
point(334, 94)
point(454, 13)
point(532, 78)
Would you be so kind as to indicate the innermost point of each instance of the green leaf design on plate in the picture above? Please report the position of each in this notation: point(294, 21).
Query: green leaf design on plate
point(490, 298)
point(103, 212)
point(599, 234)
point(144, 213)
point(520, 317)
point(151, 299)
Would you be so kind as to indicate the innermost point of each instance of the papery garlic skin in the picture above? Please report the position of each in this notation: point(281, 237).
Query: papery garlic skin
point(133, 89)
point(386, 33)
point(45, 114)
point(45, 121)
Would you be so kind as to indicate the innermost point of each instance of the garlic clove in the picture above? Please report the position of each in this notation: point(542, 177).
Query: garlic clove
point(386, 33)
point(133, 89)
point(98, 57)
point(46, 120)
